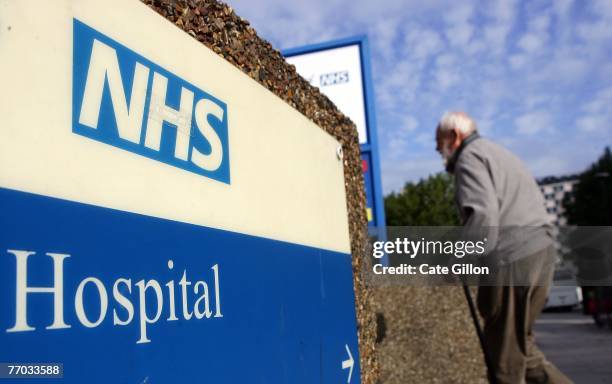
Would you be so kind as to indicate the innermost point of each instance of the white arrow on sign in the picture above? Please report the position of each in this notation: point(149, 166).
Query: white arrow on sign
point(348, 363)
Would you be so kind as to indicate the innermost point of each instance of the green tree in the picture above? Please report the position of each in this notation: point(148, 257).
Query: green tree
point(429, 202)
point(591, 202)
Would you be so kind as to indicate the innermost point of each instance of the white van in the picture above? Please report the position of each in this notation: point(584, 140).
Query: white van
point(564, 293)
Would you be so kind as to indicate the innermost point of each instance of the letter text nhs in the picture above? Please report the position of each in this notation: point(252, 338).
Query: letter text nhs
point(122, 99)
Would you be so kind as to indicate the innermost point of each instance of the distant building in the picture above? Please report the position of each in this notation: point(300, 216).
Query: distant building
point(555, 189)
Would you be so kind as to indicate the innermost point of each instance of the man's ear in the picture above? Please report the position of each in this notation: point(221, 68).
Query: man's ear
point(455, 138)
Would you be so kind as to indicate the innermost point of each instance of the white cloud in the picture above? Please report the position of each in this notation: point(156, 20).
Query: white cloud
point(540, 22)
point(426, 139)
point(446, 60)
point(592, 123)
point(502, 10)
point(411, 168)
point(561, 8)
point(446, 78)
point(596, 117)
point(533, 100)
point(501, 16)
point(568, 69)
point(564, 25)
point(446, 71)
point(548, 164)
point(602, 8)
point(384, 32)
point(533, 123)
point(397, 141)
point(396, 147)
point(601, 102)
point(567, 66)
point(518, 61)
point(598, 31)
point(460, 35)
point(421, 43)
point(532, 42)
point(397, 87)
point(410, 124)
point(537, 35)
point(459, 28)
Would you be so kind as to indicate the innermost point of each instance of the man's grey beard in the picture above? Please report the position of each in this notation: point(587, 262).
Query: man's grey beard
point(446, 155)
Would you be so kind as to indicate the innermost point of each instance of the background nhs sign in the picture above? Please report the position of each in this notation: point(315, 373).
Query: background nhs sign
point(122, 99)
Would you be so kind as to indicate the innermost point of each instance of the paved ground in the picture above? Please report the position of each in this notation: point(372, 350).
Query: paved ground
point(577, 346)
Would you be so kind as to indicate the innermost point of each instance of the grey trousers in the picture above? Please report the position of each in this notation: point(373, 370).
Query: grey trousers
point(509, 310)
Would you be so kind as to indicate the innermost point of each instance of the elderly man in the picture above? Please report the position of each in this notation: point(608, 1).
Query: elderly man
point(496, 195)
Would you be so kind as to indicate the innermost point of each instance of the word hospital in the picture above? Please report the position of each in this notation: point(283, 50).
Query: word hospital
point(149, 297)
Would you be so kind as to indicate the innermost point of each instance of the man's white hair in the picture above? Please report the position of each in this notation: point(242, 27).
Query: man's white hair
point(457, 120)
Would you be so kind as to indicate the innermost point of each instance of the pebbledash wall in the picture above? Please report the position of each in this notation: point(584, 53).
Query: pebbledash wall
point(218, 27)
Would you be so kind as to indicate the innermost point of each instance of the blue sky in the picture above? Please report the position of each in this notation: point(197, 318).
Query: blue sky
point(536, 75)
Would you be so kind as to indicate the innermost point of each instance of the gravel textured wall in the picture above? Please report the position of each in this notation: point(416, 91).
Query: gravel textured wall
point(426, 335)
point(220, 29)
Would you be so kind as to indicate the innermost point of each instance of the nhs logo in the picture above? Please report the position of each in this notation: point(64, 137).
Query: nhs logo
point(334, 78)
point(122, 99)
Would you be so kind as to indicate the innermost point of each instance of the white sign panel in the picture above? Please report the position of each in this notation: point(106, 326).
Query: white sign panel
point(152, 173)
point(337, 72)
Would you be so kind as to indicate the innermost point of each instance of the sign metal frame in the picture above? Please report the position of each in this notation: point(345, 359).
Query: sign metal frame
point(371, 145)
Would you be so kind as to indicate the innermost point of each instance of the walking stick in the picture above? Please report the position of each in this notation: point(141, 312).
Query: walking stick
point(485, 351)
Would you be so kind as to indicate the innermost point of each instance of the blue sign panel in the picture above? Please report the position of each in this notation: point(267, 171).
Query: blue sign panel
point(118, 297)
point(123, 99)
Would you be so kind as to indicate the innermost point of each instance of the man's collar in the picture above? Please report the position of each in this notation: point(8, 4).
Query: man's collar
point(450, 164)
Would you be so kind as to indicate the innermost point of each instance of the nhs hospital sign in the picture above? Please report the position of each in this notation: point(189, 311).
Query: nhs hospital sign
point(161, 116)
point(132, 250)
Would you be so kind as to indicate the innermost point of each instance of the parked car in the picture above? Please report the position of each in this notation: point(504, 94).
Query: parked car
point(563, 297)
point(564, 293)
